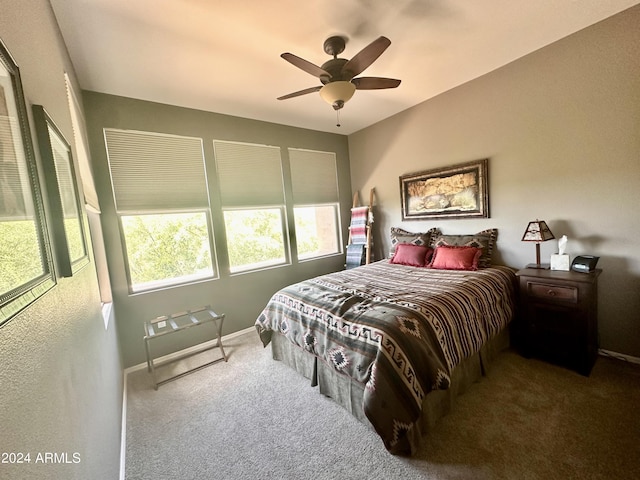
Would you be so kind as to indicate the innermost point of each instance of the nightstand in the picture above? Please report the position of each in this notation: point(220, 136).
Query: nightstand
point(559, 316)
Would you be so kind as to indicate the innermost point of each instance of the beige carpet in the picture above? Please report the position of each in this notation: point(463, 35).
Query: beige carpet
point(254, 418)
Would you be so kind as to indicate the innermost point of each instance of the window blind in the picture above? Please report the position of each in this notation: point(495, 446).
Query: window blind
point(15, 192)
point(80, 142)
point(152, 171)
point(249, 174)
point(314, 176)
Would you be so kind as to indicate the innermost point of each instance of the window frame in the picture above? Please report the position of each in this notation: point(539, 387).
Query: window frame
point(337, 226)
point(255, 267)
point(91, 203)
point(164, 150)
point(266, 190)
point(303, 164)
point(167, 283)
point(16, 299)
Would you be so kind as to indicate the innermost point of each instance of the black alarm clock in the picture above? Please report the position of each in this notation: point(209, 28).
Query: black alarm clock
point(584, 263)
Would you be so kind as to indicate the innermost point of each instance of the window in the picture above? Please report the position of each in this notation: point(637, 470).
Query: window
point(24, 250)
point(160, 191)
point(316, 230)
point(99, 255)
point(166, 249)
point(90, 196)
point(254, 238)
point(252, 196)
point(316, 209)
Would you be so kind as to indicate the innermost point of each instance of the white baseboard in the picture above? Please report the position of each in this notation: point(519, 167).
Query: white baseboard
point(619, 356)
point(141, 366)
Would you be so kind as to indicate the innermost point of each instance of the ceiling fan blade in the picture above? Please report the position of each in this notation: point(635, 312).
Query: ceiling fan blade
point(303, 64)
point(366, 56)
point(374, 83)
point(301, 92)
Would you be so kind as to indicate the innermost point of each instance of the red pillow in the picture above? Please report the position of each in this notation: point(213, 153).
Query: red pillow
point(456, 258)
point(413, 255)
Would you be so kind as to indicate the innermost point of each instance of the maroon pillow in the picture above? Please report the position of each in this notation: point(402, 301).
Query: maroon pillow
point(456, 258)
point(414, 255)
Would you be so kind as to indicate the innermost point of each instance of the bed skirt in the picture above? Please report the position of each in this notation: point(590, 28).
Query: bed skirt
point(349, 393)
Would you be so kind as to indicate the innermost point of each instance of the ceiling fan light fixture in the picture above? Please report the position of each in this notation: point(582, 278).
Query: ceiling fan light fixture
point(337, 93)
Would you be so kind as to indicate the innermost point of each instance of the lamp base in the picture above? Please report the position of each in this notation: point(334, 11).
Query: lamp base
point(540, 266)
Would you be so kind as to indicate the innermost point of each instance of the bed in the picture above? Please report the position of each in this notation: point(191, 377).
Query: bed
point(393, 342)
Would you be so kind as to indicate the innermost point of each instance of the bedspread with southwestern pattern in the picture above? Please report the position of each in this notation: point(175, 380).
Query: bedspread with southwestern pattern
point(397, 330)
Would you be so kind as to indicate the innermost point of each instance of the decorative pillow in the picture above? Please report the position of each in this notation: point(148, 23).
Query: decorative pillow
point(485, 240)
point(400, 236)
point(414, 255)
point(455, 258)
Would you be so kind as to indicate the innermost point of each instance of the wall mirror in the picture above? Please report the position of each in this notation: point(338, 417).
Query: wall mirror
point(67, 226)
point(24, 246)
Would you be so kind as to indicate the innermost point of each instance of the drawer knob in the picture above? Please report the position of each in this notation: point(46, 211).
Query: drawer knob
point(551, 293)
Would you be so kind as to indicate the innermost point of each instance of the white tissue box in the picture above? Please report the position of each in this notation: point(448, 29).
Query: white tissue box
point(560, 262)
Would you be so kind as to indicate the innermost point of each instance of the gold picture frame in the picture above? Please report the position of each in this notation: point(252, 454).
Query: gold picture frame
point(458, 191)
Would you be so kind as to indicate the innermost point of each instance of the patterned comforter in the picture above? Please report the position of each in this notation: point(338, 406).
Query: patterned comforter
point(397, 330)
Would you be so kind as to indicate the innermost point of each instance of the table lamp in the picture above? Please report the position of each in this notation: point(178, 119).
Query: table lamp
point(537, 231)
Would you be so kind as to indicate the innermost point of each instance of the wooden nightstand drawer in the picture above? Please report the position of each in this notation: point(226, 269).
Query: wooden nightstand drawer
point(553, 292)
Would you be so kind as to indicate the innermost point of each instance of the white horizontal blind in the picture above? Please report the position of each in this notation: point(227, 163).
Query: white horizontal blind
point(249, 174)
point(80, 142)
point(314, 176)
point(152, 171)
point(16, 202)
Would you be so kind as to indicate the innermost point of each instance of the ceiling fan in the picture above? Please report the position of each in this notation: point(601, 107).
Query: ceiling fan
point(337, 75)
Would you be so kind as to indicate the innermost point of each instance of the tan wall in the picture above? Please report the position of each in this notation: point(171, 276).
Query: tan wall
point(60, 373)
point(561, 129)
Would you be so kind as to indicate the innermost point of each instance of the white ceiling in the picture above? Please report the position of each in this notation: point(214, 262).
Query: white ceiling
point(224, 55)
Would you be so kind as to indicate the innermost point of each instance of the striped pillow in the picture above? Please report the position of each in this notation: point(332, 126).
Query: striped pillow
point(485, 240)
point(423, 239)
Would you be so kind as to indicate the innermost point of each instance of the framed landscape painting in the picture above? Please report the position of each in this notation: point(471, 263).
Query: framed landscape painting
point(458, 191)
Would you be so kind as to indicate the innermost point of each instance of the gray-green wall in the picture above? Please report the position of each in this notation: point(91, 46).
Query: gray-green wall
point(561, 129)
point(60, 373)
point(242, 296)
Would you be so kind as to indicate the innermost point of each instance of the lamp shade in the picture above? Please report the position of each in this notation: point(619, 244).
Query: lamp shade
point(338, 93)
point(537, 231)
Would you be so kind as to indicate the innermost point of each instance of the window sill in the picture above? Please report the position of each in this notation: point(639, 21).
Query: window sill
point(320, 257)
